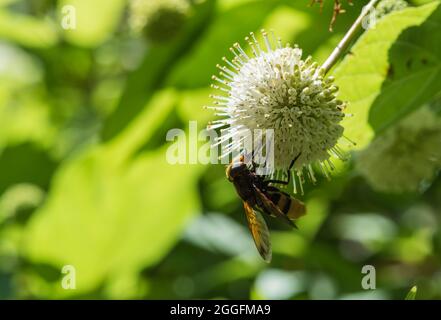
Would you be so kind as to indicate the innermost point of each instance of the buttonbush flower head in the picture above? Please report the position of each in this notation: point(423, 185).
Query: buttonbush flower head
point(404, 156)
point(159, 20)
point(272, 87)
point(387, 6)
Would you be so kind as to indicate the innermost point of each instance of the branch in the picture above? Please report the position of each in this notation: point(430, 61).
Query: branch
point(352, 32)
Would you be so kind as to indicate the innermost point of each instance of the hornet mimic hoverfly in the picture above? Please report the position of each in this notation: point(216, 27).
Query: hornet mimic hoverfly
point(259, 196)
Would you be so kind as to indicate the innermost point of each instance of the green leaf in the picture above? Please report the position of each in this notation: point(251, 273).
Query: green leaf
point(6, 2)
point(362, 73)
point(294, 22)
point(228, 27)
point(150, 76)
point(113, 211)
point(109, 220)
point(26, 30)
point(414, 73)
point(21, 100)
point(31, 120)
point(95, 20)
point(18, 164)
point(411, 294)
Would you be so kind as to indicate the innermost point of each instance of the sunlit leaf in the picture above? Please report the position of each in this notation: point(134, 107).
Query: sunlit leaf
point(228, 27)
point(6, 2)
point(277, 284)
point(361, 74)
point(27, 30)
point(414, 73)
point(151, 74)
point(95, 21)
point(113, 211)
point(411, 295)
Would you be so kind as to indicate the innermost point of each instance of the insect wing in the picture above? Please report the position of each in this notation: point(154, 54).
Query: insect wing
point(271, 208)
point(290, 206)
point(259, 231)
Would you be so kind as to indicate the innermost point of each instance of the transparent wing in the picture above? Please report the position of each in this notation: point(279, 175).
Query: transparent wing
point(259, 231)
point(271, 208)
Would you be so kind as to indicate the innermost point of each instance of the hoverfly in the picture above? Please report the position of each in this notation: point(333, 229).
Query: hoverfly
point(259, 196)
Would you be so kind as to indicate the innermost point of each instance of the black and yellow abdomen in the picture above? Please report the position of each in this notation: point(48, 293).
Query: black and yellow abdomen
point(291, 207)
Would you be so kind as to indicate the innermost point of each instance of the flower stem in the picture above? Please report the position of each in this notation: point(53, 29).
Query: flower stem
point(352, 32)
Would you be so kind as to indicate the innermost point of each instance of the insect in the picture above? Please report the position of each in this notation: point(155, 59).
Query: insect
point(260, 196)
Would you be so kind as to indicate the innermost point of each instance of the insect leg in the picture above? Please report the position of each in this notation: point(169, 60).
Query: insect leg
point(254, 163)
point(267, 182)
point(289, 176)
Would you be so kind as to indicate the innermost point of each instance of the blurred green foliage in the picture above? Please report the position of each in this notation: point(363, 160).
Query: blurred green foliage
point(84, 180)
point(412, 293)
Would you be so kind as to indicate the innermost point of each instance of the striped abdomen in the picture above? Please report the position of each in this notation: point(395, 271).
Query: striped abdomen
point(291, 207)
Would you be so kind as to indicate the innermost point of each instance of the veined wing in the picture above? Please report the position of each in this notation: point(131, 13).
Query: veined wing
point(259, 231)
point(271, 208)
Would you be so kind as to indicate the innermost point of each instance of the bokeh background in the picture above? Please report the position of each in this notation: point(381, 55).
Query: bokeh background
point(84, 179)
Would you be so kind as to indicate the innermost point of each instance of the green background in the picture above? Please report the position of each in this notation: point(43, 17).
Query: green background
point(84, 180)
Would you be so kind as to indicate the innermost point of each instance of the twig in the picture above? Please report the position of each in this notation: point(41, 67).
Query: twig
point(338, 51)
point(338, 9)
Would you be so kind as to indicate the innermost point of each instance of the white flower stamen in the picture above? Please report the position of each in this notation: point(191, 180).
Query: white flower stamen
point(273, 88)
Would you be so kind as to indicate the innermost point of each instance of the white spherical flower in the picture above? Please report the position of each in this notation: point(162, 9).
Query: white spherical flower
point(405, 155)
point(273, 88)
